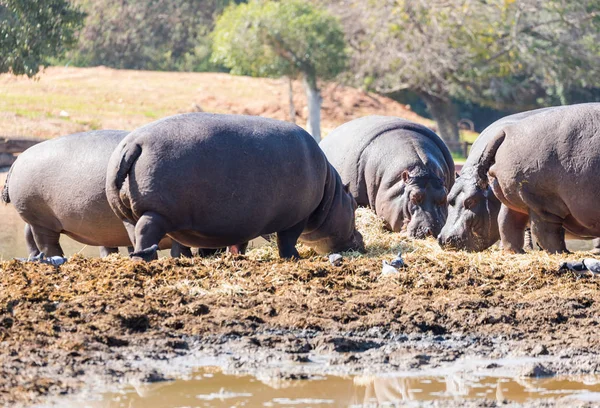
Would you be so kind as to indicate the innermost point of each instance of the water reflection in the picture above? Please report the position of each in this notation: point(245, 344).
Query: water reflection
point(209, 387)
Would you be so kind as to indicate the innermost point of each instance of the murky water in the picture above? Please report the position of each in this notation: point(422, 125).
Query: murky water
point(209, 387)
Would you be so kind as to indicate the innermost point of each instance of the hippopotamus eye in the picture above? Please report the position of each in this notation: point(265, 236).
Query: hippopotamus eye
point(417, 198)
point(470, 203)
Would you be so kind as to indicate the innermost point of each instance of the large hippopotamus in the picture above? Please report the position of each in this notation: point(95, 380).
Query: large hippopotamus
point(57, 187)
point(540, 167)
point(400, 169)
point(211, 180)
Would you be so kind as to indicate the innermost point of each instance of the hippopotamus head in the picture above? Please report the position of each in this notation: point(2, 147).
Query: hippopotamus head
point(472, 223)
point(420, 205)
point(332, 227)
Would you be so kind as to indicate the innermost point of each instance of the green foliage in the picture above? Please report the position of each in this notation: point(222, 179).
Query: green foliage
point(32, 31)
point(274, 39)
point(501, 53)
point(151, 35)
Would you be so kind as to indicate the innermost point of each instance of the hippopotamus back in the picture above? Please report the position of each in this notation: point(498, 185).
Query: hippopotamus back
point(385, 161)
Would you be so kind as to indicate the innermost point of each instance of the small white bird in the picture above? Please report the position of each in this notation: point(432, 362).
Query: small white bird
point(388, 269)
point(55, 261)
point(336, 259)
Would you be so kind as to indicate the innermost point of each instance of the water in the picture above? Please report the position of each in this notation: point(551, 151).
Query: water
point(209, 387)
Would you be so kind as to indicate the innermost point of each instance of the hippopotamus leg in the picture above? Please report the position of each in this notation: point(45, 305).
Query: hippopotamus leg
point(31, 245)
point(178, 250)
point(287, 239)
point(512, 229)
point(549, 234)
point(47, 241)
point(149, 230)
point(106, 251)
point(596, 249)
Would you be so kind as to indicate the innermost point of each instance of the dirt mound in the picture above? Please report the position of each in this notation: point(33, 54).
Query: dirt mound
point(55, 324)
point(66, 100)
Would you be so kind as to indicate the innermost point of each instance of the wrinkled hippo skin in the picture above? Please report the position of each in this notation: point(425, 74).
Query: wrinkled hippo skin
point(538, 168)
point(58, 186)
point(400, 169)
point(212, 180)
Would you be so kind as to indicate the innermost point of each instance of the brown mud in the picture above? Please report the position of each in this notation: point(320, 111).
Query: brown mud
point(106, 321)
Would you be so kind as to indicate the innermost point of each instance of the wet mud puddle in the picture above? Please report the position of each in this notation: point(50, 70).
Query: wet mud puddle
point(210, 387)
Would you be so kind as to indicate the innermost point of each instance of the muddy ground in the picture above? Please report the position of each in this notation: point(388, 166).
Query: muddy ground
point(113, 319)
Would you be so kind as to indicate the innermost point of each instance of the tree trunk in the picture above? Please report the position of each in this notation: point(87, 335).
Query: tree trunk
point(291, 95)
point(445, 115)
point(314, 101)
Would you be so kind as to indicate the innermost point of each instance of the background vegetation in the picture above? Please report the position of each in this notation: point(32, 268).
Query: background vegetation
point(449, 59)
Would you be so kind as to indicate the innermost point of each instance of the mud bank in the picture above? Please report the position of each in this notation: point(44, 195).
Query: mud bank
point(107, 321)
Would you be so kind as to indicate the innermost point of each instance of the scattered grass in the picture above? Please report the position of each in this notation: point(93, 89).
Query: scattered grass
point(121, 99)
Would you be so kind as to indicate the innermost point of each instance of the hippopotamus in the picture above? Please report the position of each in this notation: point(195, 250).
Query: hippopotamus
point(400, 169)
point(212, 180)
point(537, 168)
point(58, 187)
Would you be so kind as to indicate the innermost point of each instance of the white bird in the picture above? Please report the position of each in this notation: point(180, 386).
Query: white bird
point(388, 269)
point(335, 259)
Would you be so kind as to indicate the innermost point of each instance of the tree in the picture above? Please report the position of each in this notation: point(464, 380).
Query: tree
point(498, 53)
point(152, 35)
point(275, 39)
point(32, 31)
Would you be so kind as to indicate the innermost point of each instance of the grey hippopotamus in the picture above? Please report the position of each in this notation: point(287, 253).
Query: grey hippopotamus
point(400, 169)
point(211, 180)
point(539, 167)
point(57, 187)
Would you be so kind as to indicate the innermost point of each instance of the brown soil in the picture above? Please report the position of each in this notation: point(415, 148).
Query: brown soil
point(103, 98)
point(57, 326)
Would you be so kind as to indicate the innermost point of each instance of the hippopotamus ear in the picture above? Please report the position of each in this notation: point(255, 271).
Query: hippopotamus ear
point(405, 176)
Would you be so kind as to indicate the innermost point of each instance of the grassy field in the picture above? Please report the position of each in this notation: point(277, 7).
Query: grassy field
point(66, 100)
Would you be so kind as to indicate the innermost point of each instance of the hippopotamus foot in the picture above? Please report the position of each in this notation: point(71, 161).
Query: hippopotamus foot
point(148, 254)
point(31, 245)
point(106, 251)
point(47, 241)
point(549, 235)
point(178, 250)
point(512, 226)
point(287, 240)
point(149, 230)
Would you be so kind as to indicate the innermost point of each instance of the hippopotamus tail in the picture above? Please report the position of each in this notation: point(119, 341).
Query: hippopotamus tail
point(115, 181)
point(5, 195)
